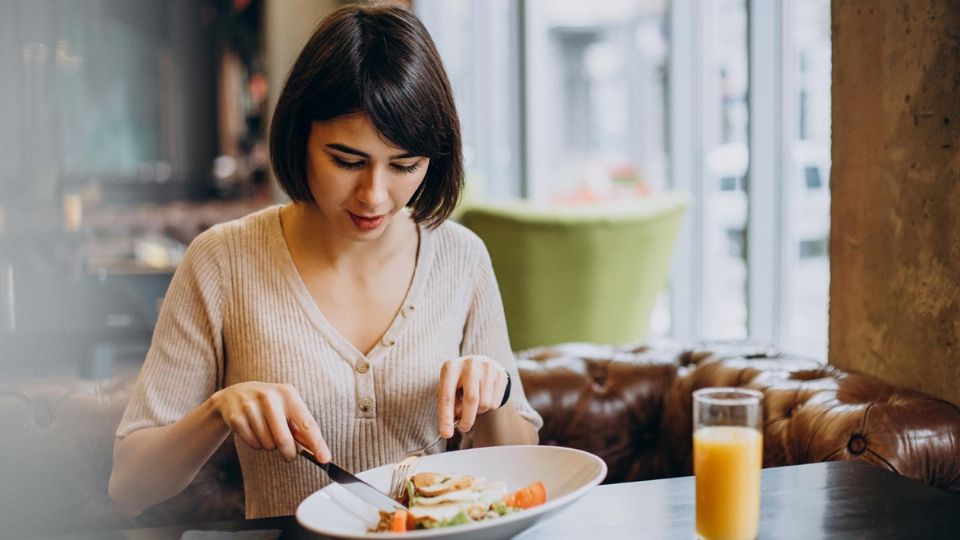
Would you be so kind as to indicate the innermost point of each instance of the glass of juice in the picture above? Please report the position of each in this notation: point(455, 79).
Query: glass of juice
point(727, 457)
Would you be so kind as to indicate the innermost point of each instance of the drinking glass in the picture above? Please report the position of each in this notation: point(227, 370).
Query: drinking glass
point(727, 457)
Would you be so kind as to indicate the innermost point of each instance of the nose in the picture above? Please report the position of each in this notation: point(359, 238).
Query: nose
point(372, 190)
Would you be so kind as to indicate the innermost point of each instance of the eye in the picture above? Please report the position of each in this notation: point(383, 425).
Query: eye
point(349, 165)
point(406, 169)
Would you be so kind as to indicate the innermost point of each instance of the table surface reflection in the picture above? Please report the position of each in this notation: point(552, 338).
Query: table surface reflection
point(844, 499)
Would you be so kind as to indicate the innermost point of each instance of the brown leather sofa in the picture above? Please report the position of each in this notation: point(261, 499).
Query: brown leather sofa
point(629, 405)
point(632, 407)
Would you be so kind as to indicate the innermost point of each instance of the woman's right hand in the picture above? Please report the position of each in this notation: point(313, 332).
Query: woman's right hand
point(270, 416)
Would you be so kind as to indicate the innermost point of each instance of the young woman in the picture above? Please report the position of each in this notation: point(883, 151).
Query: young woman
point(355, 320)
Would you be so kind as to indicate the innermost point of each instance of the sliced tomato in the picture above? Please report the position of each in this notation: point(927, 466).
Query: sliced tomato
point(398, 522)
point(527, 497)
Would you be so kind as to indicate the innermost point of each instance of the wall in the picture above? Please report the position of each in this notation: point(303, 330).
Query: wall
point(895, 241)
point(288, 24)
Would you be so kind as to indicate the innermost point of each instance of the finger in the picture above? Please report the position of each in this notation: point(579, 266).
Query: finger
point(470, 382)
point(253, 415)
point(305, 429)
point(446, 396)
point(275, 414)
point(238, 424)
point(488, 388)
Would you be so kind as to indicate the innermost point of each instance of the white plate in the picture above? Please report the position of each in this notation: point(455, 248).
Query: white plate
point(566, 473)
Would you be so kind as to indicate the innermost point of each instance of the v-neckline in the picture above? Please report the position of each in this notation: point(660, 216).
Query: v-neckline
point(338, 341)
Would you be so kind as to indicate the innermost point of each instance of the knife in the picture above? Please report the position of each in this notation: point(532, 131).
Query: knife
point(354, 485)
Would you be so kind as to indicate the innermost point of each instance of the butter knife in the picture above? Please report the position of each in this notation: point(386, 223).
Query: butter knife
point(354, 485)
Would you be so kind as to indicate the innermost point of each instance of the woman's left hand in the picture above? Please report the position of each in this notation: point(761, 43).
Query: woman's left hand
point(481, 382)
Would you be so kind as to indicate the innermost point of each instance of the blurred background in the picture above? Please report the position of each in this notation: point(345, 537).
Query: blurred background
point(129, 126)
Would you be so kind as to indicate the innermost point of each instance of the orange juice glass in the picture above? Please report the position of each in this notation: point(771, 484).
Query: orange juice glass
point(727, 457)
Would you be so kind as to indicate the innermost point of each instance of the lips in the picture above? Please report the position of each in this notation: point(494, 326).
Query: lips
point(366, 223)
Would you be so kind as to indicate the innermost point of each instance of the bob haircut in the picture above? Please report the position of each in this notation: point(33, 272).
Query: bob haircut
point(379, 61)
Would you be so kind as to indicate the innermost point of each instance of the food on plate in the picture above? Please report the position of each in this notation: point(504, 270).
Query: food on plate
point(443, 500)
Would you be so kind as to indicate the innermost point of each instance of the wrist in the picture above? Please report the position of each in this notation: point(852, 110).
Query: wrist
point(497, 416)
point(213, 404)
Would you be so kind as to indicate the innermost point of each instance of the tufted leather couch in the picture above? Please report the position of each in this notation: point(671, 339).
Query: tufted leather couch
point(632, 406)
point(629, 405)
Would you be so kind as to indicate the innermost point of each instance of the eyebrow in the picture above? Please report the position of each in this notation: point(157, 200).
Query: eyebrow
point(347, 150)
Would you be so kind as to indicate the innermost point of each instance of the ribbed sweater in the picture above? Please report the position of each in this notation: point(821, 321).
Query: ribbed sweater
point(237, 310)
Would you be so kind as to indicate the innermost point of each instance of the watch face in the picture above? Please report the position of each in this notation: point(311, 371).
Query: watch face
point(506, 391)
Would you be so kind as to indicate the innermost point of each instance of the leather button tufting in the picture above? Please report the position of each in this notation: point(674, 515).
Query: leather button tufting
point(857, 444)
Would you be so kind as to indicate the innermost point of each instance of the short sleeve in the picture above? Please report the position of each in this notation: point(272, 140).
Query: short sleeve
point(485, 333)
point(185, 362)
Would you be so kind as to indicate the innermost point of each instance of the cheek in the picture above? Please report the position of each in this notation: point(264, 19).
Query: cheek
point(327, 179)
point(411, 183)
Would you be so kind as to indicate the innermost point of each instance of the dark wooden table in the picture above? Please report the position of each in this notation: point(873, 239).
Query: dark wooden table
point(843, 499)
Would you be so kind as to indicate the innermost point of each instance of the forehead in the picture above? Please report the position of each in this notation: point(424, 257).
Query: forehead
point(354, 130)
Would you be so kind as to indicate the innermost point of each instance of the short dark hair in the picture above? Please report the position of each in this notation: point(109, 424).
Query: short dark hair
point(379, 61)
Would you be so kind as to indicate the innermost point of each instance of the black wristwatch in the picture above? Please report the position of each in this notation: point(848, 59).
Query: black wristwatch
point(506, 391)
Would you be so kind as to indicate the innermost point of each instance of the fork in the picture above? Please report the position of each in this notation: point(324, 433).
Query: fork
point(403, 468)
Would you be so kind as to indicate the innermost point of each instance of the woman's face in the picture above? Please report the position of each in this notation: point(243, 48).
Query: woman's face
point(358, 180)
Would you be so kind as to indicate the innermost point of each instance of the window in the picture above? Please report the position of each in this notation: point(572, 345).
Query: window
point(812, 177)
point(730, 183)
point(805, 281)
point(728, 100)
point(723, 132)
point(813, 249)
point(595, 94)
point(480, 45)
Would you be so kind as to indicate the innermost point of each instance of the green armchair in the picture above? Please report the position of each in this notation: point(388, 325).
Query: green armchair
point(579, 273)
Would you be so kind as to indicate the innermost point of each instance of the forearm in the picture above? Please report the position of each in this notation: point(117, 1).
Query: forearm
point(503, 426)
point(154, 464)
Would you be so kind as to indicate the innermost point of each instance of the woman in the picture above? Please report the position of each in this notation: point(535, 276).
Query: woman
point(342, 321)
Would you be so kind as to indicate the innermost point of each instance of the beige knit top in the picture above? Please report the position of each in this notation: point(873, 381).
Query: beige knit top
point(237, 310)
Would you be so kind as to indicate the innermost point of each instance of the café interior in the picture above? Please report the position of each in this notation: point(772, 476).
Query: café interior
point(675, 195)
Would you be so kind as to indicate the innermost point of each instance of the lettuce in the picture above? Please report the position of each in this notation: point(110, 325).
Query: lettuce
point(460, 519)
point(411, 500)
point(501, 508)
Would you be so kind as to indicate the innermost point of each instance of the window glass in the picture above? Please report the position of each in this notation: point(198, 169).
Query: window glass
point(478, 42)
point(724, 79)
point(806, 191)
point(588, 121)
point(596, 98)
